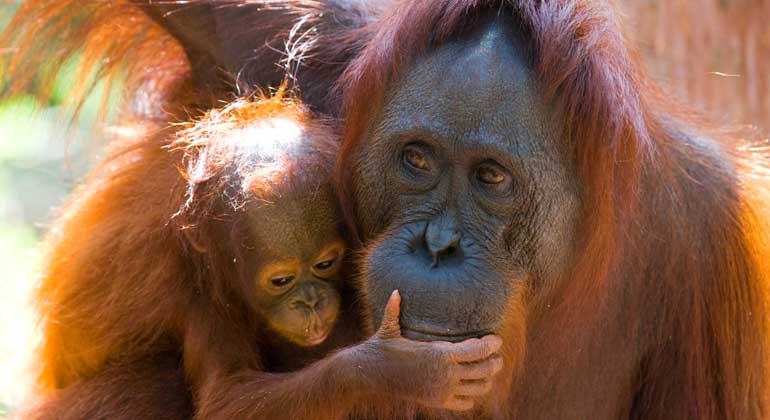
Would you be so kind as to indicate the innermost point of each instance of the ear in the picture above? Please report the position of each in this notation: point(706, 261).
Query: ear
point(195, 239)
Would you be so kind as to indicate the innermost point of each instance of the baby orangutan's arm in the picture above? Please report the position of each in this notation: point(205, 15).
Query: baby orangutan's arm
point(434, 374)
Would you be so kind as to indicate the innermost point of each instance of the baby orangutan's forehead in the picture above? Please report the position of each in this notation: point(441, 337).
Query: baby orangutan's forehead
point(298, 225)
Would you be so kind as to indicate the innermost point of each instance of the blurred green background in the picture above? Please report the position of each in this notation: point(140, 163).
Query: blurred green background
point(42, 154)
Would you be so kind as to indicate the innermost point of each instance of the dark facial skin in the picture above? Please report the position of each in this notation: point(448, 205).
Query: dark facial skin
point(462, 188)
point(310, 344)
point(301, 253)
point(297, 296)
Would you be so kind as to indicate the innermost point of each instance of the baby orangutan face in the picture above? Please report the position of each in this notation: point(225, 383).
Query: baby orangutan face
point(300, 254)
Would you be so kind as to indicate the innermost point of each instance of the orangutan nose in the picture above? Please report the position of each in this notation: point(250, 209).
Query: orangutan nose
point(309, 296)
point(442, 239)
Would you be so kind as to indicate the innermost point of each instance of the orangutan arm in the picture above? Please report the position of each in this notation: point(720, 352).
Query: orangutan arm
point(385, 367)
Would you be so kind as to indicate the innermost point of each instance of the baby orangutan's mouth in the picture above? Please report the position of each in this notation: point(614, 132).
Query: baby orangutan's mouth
point(317, 334)
point(317, 339)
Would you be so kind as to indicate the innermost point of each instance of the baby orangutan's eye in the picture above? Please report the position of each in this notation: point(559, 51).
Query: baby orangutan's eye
point(325, 265)
point(282, 281)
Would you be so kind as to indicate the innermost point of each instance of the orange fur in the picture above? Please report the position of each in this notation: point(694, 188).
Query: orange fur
point(124, 283)
point(175, 58)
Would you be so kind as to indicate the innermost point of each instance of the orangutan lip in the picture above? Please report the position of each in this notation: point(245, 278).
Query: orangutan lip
point(423, 335)
point(318, 339)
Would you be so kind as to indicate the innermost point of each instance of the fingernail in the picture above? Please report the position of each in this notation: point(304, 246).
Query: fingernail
point(498, 364)
point(495, 342)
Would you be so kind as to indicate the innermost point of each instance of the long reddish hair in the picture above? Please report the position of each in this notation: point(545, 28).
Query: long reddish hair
point(176, 57)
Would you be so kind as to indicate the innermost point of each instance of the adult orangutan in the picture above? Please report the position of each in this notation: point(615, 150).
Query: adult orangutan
point(509, 168)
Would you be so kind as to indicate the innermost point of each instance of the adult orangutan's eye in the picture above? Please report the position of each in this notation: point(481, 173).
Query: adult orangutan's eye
point(493, 177)
point(414, 158)
point(489, 174)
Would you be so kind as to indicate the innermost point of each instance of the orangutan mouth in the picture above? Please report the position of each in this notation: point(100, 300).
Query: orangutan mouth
point(318, 339)
point(421, 334)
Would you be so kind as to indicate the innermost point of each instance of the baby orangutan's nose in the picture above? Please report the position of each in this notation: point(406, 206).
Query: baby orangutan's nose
point(309, 297)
